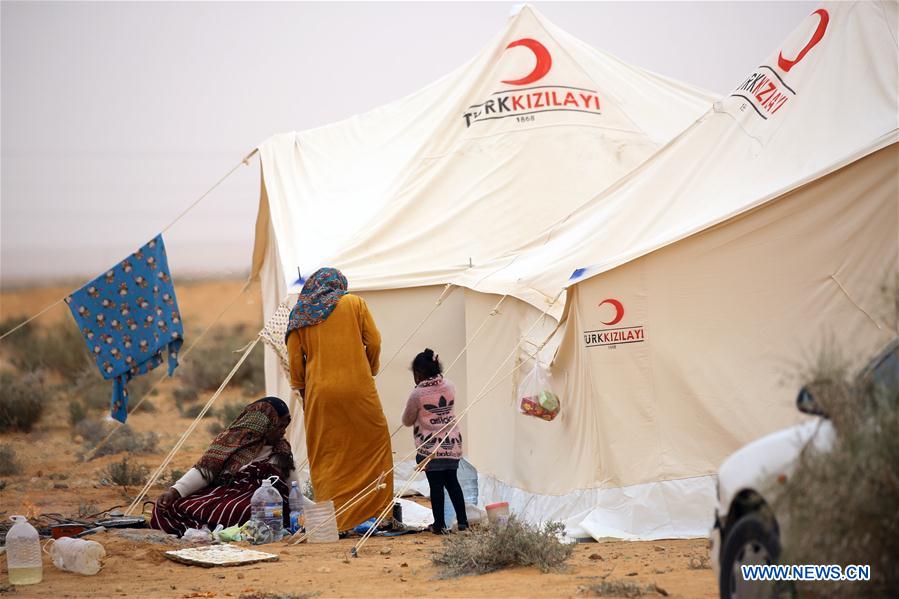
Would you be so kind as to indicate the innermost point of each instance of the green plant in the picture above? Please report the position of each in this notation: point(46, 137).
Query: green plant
point(124, 473)
point(9, 462)
point(22, 400)
point(518, 543)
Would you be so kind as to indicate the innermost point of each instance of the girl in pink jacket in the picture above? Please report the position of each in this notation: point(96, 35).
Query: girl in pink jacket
point(429, 408)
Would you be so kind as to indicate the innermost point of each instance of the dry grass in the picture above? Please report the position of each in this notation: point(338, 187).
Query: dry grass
point(9, 462)
point(484, 550)
point(124, 473)
point(621, 588)
point(211, 361)
point(22, 400)
point(843, 504)
point(125, 440)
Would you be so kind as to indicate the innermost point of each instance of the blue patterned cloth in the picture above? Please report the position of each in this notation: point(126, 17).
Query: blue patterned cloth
point(320, 295)
point(130, 320)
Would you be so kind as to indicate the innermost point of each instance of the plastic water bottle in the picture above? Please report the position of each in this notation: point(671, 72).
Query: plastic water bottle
point(267, 506)
point(23, 553)
point(296, 507)
point(468, 480)
point(77, 555)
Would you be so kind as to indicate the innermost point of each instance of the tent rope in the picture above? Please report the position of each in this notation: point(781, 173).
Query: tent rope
point(367, 490)
point(447, 290)
point(190, 429)
point(244, 162)
point(481, 395)
point(485, 390)
point(184, 355)
point(22, 324)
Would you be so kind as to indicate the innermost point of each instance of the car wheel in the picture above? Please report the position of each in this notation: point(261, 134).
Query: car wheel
point(752, 540)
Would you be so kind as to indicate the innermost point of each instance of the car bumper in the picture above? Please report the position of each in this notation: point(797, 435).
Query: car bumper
point(715, 547)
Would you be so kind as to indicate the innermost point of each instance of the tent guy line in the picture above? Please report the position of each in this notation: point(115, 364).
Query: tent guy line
point(190, 429)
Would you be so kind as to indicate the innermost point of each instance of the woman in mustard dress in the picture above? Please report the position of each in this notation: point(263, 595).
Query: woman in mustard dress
point(334, 349)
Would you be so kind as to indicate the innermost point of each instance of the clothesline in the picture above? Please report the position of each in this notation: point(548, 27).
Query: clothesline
point(245, 161)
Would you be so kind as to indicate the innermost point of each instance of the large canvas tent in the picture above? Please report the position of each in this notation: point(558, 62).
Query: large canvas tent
point(463, 171)
point(689, 282)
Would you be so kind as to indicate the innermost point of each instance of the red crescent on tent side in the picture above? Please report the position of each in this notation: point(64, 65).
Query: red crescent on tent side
point(544, 61)
point(619, 310)
point(787, 64)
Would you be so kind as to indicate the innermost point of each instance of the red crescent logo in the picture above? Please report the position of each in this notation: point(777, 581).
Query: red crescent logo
point(787, 64)
point(619, 310)
point(544, 61)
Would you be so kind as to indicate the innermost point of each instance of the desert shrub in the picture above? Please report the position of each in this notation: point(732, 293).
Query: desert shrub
point(92, 393)
point(8, 324)
point(228, 412)
point(77, 412)
point(126, 439)
point(211, 361)
point(22, 400)
point(620, 588)
point(124, 473)
point(174, 476)
point(146, 406)
point(215, 428)
point(184, 395)
point(265, 595)
point(843, 503)
point(9, 462)
point(192, 411)
point(494, 548)
point(60, 348)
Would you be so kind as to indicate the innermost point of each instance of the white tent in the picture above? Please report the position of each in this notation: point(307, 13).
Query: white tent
point(709, 269)
point(404, 196)
point(706, 278)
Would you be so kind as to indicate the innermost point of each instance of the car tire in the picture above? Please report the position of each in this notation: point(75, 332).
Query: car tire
point(753, 539)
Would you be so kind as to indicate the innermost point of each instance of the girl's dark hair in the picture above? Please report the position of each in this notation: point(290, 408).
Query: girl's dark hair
point(426, 364)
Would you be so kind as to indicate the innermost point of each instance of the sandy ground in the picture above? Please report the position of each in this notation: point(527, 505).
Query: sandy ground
point(56, 481)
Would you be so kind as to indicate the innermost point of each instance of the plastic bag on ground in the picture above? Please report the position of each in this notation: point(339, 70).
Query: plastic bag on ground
point(197, 535)
point(77, 555)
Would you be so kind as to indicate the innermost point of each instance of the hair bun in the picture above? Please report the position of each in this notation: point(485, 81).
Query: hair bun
point(429, 353)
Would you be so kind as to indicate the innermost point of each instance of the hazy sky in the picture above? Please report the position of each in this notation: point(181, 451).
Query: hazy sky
point(116, 116)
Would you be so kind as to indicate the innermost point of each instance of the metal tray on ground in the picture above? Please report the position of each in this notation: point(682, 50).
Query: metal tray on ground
point(210, 556)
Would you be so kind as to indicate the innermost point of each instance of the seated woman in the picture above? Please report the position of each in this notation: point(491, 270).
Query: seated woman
point(218, 489)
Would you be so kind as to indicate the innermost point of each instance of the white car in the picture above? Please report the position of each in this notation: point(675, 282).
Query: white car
point(747, 530)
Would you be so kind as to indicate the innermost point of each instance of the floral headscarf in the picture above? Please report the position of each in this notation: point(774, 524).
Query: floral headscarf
point(239, 444)
point(318, 299)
